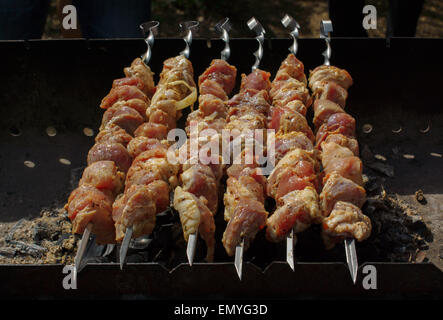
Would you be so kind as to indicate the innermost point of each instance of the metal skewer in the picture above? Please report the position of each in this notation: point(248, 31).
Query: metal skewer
point(82, 247)
point(349, 243)
point(255, 26)
point(223, 27)
point(149, 29)
point(325, 29)
point(189, 27)
point(289, 22)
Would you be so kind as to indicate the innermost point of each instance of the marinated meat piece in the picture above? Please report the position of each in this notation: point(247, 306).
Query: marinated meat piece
point(240, 120)
point(214, 162)
point(142, 144)
point(140, 70)
point(249, 217)
point(123, 93)
point(341, 123)
point(284, 92)
point(123, 116)
point(200, 181)
point(176, 83)
point(257, 80)
point(291, 67)
point(110, 151)
point(138, 105)
point(160, 190)
point(161, 117)
point(284, 121)
point(202, 122)
point(332, 151)
point(150, 166)
point(299, 210)
point(295, 171)
point(152, 130)
point(259, 101)
point(290, 181)
point(222, 73)
point(289, 141)
point(323, 109)
point(209, 104)
point(332, 92)
point(350, 168)
point(245, 187)
point(296, 105)
point(88, 204)
point(338, 188)
point(112, 133)
point(324, 73)
point(213, 88)
point(246, 159)
point(348, 142)
point(105, 176)
point(345, 221)
point(136, 208)
point(195, 217)
point(130, 81)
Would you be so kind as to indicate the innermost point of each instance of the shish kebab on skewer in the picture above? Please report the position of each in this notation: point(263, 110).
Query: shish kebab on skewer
point(246, 184)
point(196, 199)
point(152, 176)
point(90, 205)
point(293, 183)
point(343, 194)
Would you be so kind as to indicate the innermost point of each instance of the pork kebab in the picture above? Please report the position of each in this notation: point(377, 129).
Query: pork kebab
point(152, 176)
point(343, 194)
point(90, 205)
point(196, 199)
point(294, 181)
point(246, 185)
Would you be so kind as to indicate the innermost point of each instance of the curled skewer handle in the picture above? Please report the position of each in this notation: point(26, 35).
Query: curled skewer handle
point(188, 27)
point(254, 25)
point(223, 27)
point(289, 22)
point(325, 29)
point(150, 29)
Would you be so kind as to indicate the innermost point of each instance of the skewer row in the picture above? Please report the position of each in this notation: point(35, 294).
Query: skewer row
point(130, 176)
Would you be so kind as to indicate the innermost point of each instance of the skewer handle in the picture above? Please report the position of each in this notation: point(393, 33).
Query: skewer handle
point(325, 29)
point(189, 27)
point(290, 22)
point(150, 29)
point(255, 25)
point(223, 27)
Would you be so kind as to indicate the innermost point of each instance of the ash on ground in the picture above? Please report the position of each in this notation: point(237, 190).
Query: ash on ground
point(399, 233)
point(43, 240)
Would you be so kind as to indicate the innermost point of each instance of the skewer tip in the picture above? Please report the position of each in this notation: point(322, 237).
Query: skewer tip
point(290, 250)
point(239, 259)
point(190, 250)
point(82, 247)
point(125, 246)
point(351, 258)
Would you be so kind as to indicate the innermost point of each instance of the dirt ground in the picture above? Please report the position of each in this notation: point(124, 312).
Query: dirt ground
point(308, 13)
